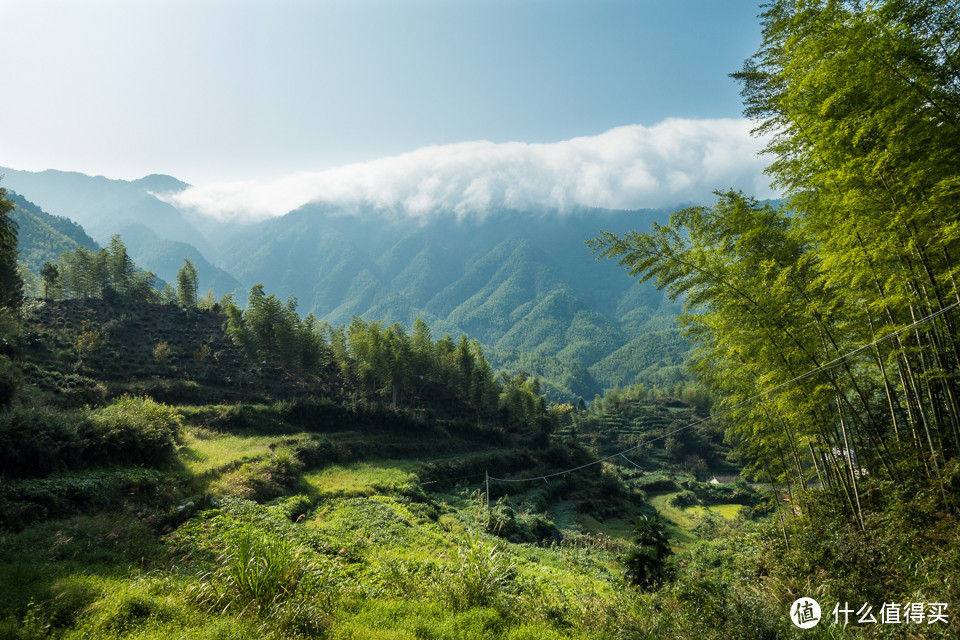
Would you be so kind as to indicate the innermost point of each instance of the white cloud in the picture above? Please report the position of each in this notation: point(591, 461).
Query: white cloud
point(630, 167)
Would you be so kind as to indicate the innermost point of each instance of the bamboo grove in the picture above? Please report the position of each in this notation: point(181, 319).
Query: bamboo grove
point(854, 276)
point(109, 273)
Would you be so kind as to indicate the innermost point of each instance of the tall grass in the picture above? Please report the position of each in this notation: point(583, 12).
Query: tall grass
point(254, 570)
point(481, 575)
point(269, 578)
point(362, 478)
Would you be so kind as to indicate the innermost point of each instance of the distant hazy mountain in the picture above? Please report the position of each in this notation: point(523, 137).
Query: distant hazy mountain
point(158, 236)
point(165, 257)
point(523, 283)
point(103, 206)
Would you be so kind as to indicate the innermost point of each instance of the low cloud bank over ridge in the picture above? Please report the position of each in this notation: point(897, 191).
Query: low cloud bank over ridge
point(630, 167)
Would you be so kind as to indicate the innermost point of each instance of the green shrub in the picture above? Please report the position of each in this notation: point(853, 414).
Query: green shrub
point(655, 483)
point(646, 563)
point(37, 441)
point(530, 526)
point(709, 494)
point(138, 429)
point(481, 575)
point(28, 500)
point(295, 507)
point(685, 498)
point(263, 480)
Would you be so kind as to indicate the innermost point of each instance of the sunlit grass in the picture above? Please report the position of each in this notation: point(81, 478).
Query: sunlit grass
point(728, 511)
point(682, 521)
point(361, 479)
point(205, 451)
point(613, 527)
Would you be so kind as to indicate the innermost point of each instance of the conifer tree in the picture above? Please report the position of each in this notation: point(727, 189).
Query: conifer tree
point(120, 266)
point(51, 279)
point(187, 284)
point(168, 295)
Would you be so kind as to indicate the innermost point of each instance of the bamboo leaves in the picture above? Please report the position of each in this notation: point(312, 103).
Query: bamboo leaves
point(855, 277)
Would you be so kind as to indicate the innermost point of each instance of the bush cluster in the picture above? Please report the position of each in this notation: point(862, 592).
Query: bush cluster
point(504, 521)
point(28, 500)
point(36, 441)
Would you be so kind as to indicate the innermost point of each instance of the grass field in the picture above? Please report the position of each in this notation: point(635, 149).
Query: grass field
point(680, 522)
point(205, 451)
point(362, 478)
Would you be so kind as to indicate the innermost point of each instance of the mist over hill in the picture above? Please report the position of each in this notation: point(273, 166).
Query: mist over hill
point(521, 282)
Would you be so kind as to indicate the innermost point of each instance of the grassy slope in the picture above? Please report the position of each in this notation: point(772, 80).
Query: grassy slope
point(280, 519)
point(392, 560)
point(139, 565)
point(113, 573)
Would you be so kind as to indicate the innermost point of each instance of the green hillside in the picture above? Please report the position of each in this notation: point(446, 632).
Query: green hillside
point(157, 495)
point(517, 281)
point(657, 357)
point(165, 258)
point(43, 237)
point(139, 483)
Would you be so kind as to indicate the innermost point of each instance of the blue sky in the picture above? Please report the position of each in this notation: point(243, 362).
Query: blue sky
point(215, 92)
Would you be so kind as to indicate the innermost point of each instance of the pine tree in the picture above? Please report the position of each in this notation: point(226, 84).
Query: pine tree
point(120, 266)
point(187, 284)
point(51, 278)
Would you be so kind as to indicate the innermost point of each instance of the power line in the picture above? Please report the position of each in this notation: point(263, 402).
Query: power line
point(819, 369)
point(635, 464)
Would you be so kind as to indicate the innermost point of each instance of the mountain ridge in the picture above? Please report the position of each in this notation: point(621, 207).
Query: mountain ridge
point(520, 282)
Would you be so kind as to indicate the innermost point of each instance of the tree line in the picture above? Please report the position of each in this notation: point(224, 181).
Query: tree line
point(406, 369)
point(861, 104)
point(109, 273)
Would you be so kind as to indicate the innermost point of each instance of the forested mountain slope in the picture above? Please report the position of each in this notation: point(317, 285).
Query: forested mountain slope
point(158, 235)
point(103, 205)
point(43, 237)
point(523, 283)
point(520, 282)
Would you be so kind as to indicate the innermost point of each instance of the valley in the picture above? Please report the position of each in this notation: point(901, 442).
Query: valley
point(476, 389)
point(523, 283)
